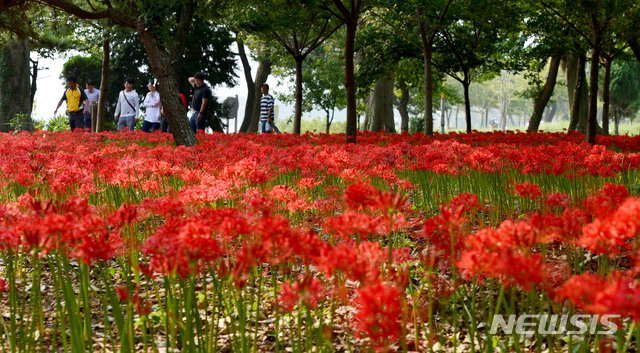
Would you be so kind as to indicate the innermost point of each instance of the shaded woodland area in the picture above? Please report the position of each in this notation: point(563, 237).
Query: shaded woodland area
point(498, 63)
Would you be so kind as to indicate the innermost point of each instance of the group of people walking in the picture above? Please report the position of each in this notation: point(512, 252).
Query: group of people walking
point(80, 105)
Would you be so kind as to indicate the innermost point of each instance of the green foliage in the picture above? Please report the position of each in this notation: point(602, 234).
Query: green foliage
point(478, 39)
point(58, 123)
point(21, 122)
point(315, 125)
point(416, 124)
point(380, 50)
point(625, 88)
point(323, 75)
point(83, 68)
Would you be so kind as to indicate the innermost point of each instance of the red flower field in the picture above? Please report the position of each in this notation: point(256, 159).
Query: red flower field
point(284, 243)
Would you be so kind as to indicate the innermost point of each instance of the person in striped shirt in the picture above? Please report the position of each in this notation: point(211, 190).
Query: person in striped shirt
point(266, 109)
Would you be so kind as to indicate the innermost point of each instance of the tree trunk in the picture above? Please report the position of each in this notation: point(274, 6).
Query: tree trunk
point(251, 88)
point(428, 80)
point(402, 107)
point(542, 100)
point(349, 79)
point(381, 102)
point(592, 121)
point(104, 83)
point(467, 103)
point(34, 82)
point(163, 69)
point(366, 124)
point(570, 65)
point(616, 122)
point(551, 112)
point(584, 101)
point(634, 44)
point(15, 80)
point(264, 70)
point(576, 94)
point(606, 97)
point(297, 117)
point(457, 111)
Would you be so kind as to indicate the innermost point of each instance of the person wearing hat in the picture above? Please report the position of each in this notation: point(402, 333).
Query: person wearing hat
point(266, 110)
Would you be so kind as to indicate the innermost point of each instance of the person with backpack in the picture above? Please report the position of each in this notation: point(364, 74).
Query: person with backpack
point(128, 107)
point(74, 97)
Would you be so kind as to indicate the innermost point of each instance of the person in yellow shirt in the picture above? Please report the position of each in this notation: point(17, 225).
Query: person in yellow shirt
point(75, 97)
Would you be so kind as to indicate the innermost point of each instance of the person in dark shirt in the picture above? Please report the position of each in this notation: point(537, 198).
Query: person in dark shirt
point(200, 102)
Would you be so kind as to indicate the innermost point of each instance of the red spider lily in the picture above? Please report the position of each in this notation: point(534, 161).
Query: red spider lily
point(123, 294)
point(308, 183)
point(379, 314)
point(445, 231)
point(508, 266)
point(607, 200)
point(361, 195)
point(307, 290)
point(367, 197)
point(614, 233)
point(3, 286)
point(140, 307)
point(71, 227)
point(182, 246)
point(558, 200)
point(618, 293)
point(126, 214)
point(162, 206)
point(357, 225)
point(504, 253)
point(528, 190)
point(292, 201)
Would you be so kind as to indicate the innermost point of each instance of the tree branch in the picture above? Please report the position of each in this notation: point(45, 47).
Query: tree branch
point(115, 15)
point(440, 19)
point(557, 13)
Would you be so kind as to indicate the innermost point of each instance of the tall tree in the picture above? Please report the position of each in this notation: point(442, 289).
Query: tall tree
point(43, 34)
point(349, 11)
point(324, 75)
point(477, 40)
point(300, 27)
point(154, 22)
point(541, 99)
point(596, 22)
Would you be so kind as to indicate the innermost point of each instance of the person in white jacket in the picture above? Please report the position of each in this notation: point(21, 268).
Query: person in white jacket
point(152, 107)
point(128, 107)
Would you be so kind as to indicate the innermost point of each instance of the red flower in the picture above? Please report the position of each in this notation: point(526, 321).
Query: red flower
point(379, 314)
point(608, 199)
point(558, 200)
point(614, 232)
point(3, 286)
point(308, 291)
point(618, 293)
point(142, 308)
point(528, 190)
point(446, 231)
